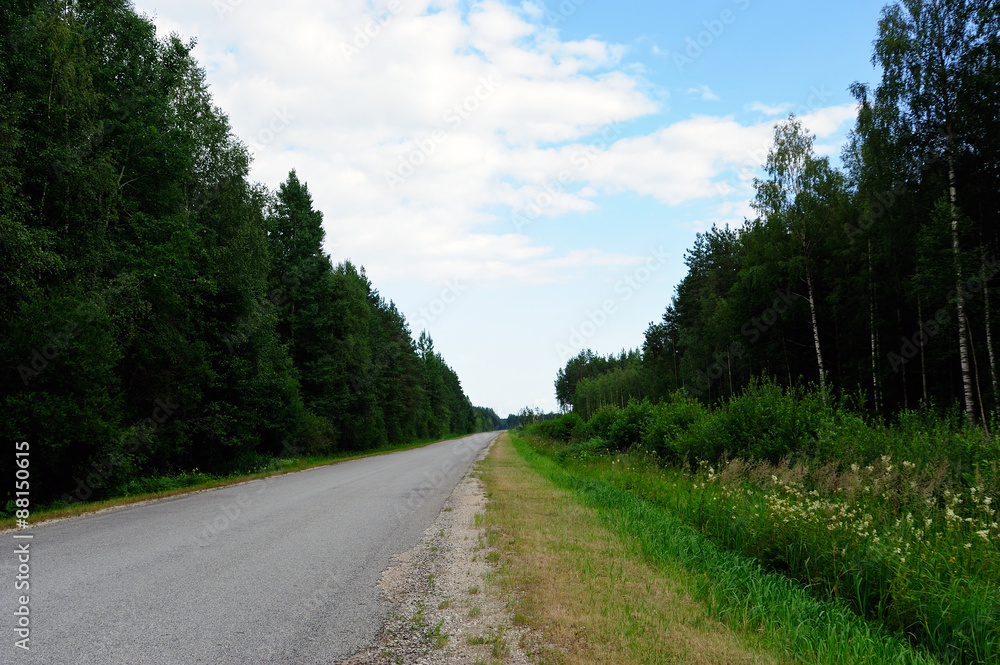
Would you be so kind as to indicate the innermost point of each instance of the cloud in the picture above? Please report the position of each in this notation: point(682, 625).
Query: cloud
point(770, 111)
point(422, 126)
point(705, 93)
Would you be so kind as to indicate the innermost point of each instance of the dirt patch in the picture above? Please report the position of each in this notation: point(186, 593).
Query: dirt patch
point(447, 607)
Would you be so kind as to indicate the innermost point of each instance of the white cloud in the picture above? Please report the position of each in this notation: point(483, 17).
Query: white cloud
point(760, 107)
point(704, 92)
point(826, 122)
point(417, 136)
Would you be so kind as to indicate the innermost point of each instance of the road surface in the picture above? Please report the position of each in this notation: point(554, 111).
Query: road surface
point(281, 570)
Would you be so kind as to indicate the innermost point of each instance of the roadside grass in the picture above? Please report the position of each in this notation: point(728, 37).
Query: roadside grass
point(885, 540)
point(896, 521)
point(151, 489)
point(736, 590)
point(592, 594)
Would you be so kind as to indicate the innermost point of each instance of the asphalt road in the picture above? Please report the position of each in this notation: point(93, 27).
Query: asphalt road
point(282, 570)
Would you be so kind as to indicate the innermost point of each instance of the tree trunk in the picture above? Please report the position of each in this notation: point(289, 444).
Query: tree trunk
point(963, 326)
point(673, 350)
point(979, 391)
point(871, 321)
point(788, 367)
point(923, 360)
point(989, 335)
point(815, 325)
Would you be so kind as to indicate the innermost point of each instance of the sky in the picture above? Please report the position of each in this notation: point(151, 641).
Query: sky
point(523, 179)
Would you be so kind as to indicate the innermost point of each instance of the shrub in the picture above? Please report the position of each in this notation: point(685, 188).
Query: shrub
point(628, 424)
point(669, 420)
point(600, 422)
point(585, 450)
point(566, 428)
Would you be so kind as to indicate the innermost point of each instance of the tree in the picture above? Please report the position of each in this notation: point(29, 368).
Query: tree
point(927, 49)
point(801, 196)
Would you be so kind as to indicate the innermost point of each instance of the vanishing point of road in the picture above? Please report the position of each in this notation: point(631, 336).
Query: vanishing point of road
point(279, 570)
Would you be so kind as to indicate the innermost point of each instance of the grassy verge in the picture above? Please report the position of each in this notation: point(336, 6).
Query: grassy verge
point(896, 522)
point(196, 482)
point(592, 594)
point(736, 590)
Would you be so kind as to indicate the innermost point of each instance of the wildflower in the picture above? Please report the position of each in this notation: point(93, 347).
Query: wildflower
point(968, 546)
point(984, 534)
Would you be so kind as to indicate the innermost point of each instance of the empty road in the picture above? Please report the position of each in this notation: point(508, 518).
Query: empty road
point(281, 570)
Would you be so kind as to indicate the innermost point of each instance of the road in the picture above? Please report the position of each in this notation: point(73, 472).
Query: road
point(281, 570)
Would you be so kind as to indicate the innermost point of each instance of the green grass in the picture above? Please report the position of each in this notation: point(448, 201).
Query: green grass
point(738, 589)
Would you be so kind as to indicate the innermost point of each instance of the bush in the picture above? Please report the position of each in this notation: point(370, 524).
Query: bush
point(600, 422)
point(667, 421)
point(765, 422)
point(566, 428)
point(585, 450)
point(628, 424)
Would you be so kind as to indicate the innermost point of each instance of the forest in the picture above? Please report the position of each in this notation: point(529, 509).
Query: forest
point(159, 312)
point(817, 408)
point(875, 279)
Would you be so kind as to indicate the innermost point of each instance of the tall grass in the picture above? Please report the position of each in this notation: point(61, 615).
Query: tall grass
point(738, 589)
point(897, 523)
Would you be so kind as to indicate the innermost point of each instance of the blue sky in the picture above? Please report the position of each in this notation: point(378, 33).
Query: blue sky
point(523, 179)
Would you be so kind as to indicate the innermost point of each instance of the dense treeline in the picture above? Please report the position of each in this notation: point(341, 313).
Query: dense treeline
point(878, 279)
point(158, 312)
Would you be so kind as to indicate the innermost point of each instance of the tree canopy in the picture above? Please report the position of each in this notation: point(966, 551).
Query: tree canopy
point(159, 312)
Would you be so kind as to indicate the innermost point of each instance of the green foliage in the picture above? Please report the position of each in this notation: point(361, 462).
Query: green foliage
point(628, 425)
point(897, 522)
point(567, 428)
point(849, 279)
point(635, 500)
point(601, 422)
point(667, 424)
point(157, 311)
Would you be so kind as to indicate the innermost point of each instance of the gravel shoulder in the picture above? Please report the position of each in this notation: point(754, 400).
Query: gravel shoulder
point(446, 606)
